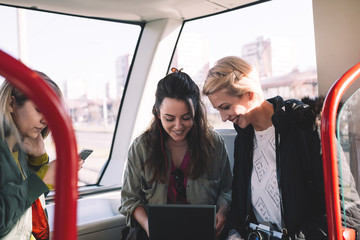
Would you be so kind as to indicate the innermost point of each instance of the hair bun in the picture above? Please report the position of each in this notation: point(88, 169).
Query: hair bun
point(174, 69)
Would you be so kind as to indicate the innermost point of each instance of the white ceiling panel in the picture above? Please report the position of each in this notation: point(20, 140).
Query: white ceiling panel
point(132, 10)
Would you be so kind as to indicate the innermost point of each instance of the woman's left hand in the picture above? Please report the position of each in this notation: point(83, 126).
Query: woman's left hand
point(34, 147)
point(221, 218)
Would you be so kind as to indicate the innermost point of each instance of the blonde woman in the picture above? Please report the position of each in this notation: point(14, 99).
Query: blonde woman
point(23, 164)
point(278, 178)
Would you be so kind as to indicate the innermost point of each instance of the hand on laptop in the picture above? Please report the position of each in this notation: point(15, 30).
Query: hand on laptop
point(234, 235)
point(221, 218)
point(142, 218)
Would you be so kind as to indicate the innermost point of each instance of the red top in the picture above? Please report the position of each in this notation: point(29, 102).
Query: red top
point(174, 195)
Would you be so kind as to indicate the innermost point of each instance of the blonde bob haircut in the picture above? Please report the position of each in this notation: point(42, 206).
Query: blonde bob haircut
point(233, 76)
point(7, 91)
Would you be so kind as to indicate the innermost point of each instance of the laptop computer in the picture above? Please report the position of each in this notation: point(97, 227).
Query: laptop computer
point(181, 222)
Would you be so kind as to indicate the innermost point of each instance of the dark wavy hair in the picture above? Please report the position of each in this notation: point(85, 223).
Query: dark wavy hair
point(178, 85)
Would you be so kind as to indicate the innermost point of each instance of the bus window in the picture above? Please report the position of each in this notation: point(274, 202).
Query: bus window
point(89, 59)
point(348, 135)
point(277, 37)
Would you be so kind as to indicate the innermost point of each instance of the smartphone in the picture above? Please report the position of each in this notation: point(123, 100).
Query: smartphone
point(85, 152)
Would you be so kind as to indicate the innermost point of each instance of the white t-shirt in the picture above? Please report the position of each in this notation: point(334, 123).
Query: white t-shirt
point(22, 229)
point(265, 196)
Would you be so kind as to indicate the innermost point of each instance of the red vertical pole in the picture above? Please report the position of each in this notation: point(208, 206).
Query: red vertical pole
point(329, 151)
point(61, 128)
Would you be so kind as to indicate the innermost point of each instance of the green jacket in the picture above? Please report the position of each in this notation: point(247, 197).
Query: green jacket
point(212, 188)
point(16, 194)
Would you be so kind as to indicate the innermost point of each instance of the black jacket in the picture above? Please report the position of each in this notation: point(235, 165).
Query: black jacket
point(300, 172)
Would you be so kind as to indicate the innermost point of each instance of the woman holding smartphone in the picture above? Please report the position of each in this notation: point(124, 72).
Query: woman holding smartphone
point(26, 174)
point(23, 159)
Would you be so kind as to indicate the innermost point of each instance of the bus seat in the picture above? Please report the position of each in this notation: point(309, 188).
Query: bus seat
point(97, 217)
point(229, 138)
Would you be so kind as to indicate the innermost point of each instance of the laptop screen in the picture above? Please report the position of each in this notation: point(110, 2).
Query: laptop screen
point(180, 221)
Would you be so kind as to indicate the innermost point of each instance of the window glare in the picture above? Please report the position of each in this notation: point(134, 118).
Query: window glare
point(89, 60)
point(277, 37)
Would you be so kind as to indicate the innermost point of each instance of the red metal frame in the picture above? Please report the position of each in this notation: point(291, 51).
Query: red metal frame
point(61, 128)
point(329, 150)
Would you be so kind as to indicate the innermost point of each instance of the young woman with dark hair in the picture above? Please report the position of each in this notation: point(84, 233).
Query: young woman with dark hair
point(178, 159)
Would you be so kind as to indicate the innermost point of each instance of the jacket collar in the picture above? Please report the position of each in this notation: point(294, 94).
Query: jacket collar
point(286, 113)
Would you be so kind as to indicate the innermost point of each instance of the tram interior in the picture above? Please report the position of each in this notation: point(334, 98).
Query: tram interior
point(160, 25)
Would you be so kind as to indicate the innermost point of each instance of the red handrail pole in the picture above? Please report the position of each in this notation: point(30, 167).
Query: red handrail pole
point(61, 128)
point(329, 150)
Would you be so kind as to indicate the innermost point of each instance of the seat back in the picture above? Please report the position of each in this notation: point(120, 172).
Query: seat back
point(229, 138)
